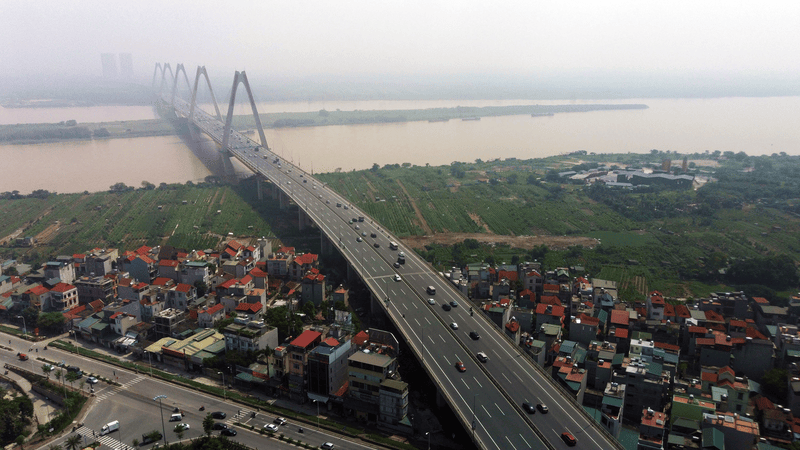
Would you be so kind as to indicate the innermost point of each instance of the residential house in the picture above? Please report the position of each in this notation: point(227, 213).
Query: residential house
point(297, 367)
point(244, 335)
point(655, 306)
point(584, 329)
point(208, 317)
point(193, 272)
point(61, 297)
point(169, 268)
point(141, 267)
point(62, 270)
point(741, 433)
point(96, 288)
point(549, 314)
point(651, 430)
point(278, 263)
point(313, 287)
point(328, 369)
point(169, 323)
point(180, 296)
point(301, 264)
point(611, 408)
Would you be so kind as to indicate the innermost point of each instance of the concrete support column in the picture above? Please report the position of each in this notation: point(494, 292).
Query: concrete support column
point(275, 191)
point(284, 200)
point(440, 402)
point(325, 245)
point(259, 189)
point(303, 221)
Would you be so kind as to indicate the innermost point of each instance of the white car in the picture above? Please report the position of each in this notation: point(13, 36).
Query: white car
point(397, 277)
point(271, 428)
point(92, 380)
point(185, 426)
point(431, 301)
point(454, 326)
point(327, 446)
point(482, 357)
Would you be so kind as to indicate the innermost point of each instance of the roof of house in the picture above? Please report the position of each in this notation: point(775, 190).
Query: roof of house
point(555, 310)
point(656, 298)
point(512, 326)
point(181, 287)
point(258, 273)
point(251, 308)
point(507, 274)
point(550, 300)
point(63, 287)
point(168, 263)
point(589, 320)
point(620, 317)
point(37, 290)
point(306, 338)
point(214, 309)
point(306, 258)
point(162, 281)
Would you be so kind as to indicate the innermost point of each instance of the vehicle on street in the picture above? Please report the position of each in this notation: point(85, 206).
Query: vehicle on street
point(92, 380)
point(358, 239)
point(528, 408)
point(364, 233)
point(219, 426)
point(431, 301)
point(460, 366)
point(474, 335)
point(373, 235)
point(376, 245)
point(109, 427)
point(270, 428)
point(397, 277)
point(22, 356)
point(454, 304)
point(228, 432)
point(393, 245)
point(327, 446)
point(454, 325)
point(218, 415)
point(431, 290)
point(185, 426)
point(446, 307)
point(569, 439)
point(279, 421)
point(482, 357)
point(542, 408)
point(396, 265)
point(177, 417)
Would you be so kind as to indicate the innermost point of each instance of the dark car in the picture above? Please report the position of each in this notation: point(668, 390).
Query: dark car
point(228, 432)
point(446, 307)
point(219, 426)
point(528, 408)
point(218, 415)
point(474, 335)
point(569, 439)
point(454, 304)
point(376, 245)
point(542, 408)
point(373, 235)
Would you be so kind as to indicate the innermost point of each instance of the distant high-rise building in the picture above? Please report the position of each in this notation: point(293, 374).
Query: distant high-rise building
point(109, 61)
point(126, 66)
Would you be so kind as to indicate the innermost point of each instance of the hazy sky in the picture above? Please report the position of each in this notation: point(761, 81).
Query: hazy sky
point(290, 38)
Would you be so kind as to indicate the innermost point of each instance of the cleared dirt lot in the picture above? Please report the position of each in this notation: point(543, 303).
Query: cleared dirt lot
point(526, 242)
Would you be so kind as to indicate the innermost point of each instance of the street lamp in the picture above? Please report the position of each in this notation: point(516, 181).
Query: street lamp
point(428, 434)
point(24, 327)
point(473, 417)
point(317, 402)
point(224, 394)
point(159, 398)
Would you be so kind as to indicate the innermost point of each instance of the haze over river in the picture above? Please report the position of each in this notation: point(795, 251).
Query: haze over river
point(755, 126)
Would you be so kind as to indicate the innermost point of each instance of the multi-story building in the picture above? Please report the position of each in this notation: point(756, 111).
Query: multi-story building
point(612, 408)
point(167, 322)
point(208, 317)
point(193, 272)
point(372, 377)
point(251, 335)
point(297, 363)
point(62, 270)
point(62, 297)
point(651, 430)
point(646, 386)
point(96, 288)
point(327, 368)
point(278, 262)
point(313, 287)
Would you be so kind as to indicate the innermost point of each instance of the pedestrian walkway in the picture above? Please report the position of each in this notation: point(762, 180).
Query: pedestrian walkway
point(242, 416)
point(108, 393)
point(107, 440)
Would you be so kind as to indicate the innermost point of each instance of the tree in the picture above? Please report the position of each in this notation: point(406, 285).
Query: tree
point(73, 442)
point(54, 447)
point(201, 287)
point(774, 384)
point(52, 322)
point(71, 377)
point(512, 179)
point(208, 424)
point(46, 369)
point(375, 167)
point(179, 430)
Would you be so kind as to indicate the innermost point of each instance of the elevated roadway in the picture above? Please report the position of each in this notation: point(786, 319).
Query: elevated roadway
point(487, 397)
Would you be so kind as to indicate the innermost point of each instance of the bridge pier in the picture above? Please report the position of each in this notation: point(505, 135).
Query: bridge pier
point(283, 200)
point(325, 245)
point(259, 189)
point(303, 219)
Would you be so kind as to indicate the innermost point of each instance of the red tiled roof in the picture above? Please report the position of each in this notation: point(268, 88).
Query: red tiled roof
point(512, 326)
point(761, 300)
point(258, 273)
point(737, 323)
point(714, 316)
point(193, 314)
point(143, 250)
point(161, 281)
point(551, 288)
point(589, 320)
point(331, 342)
point(306, 338)
point(752, 332)
point(37, 290)
point(116, 314)
point(230, 252)
point(711, 377)
point(533, 273)
point(78, 256)
point(97, 305)
point(507, 274)
point(182, 255)
point(619, 317)
point(252, 308)
point(306, 258)
point(699, 330)
point(582, 280)
point(214, 309)
point(763, 403)
point(550, 300)
point(181, 287)
point(246, 279)
point(227, 284)
point(682, 311)
point(284, 249)
point(704, 341)
point(235, 245)
point(145, 258)
point(669, 310)
point(557, 310)
point(168, 263)
point(361, 338)
point(656, 298)
point(666, 346)
point(63, 287)
point(621, 333)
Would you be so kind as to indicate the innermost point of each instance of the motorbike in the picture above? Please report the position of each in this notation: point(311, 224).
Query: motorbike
point(202, 408)
point(300, 430)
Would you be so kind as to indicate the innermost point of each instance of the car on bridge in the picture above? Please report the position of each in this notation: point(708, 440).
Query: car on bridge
point(474, 335)
point(528, 408)
point(460, 366)
point(446, 307)
point(431, 301)
point(454, 325)
point(569, 439)
point(397, 277)
point(482, 357)
point(542, 408)
point(454, 304)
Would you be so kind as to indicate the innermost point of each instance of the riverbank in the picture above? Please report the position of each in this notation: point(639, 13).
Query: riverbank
point(72, 131)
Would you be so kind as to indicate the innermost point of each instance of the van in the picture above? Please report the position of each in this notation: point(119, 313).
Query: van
point(177, 417)
point(109, 427)
point(393, 245)
point(431, 290)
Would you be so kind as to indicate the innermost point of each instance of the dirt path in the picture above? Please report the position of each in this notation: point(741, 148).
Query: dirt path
point(525, 242)
point(422, 223)
point(47, 234)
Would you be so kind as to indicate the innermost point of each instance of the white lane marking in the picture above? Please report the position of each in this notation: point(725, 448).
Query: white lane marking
point(498, 408)
point(510, 443)
point(418, 324)
point(426, 320)
point(486, 411)
point(465, 383)
point(478, 382)
point(440, 337)
point(504, 376)
point(524, 440)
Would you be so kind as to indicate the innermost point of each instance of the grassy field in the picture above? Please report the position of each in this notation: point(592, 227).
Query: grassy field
point(130, 219)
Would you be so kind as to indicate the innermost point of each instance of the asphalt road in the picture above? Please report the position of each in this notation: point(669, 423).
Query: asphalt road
point(487, 396)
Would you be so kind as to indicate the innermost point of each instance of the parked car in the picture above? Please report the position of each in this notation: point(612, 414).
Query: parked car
point(92, 380)
point(219, 426)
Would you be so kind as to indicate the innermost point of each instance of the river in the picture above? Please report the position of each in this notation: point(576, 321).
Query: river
point(752, 125)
